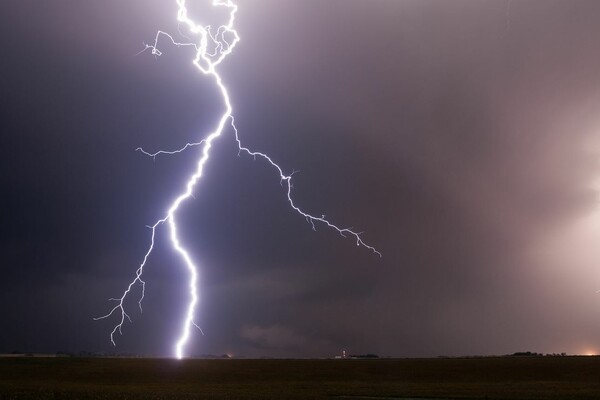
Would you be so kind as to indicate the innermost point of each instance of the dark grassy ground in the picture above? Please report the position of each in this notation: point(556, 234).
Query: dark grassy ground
point(479, 378)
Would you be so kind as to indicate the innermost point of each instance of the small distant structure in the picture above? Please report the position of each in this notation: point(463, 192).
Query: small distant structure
point(342, 356)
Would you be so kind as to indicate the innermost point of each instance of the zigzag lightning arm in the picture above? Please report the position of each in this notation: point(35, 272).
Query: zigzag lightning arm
point(288, 181)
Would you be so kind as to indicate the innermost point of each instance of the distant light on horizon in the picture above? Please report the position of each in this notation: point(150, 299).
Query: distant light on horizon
point(590, 352)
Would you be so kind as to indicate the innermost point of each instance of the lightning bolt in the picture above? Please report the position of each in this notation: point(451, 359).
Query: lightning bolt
point(212, 47)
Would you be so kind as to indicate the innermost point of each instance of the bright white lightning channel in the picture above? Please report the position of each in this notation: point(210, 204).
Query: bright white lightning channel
point(212, 48)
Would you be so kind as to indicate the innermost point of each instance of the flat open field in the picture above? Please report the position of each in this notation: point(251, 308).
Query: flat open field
point(476, 378)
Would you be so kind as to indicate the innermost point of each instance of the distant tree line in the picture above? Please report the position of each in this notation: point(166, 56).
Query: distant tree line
point(533, 354)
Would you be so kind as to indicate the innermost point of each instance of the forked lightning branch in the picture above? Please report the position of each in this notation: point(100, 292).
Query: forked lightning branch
point(212, 47)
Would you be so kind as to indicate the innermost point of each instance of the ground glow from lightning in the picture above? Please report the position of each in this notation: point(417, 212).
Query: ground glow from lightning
point(212, 48)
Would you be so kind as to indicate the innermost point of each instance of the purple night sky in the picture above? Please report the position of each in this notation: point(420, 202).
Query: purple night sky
point(463, 138)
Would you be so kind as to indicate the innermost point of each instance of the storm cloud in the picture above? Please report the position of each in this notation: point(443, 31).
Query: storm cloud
point(462, 137)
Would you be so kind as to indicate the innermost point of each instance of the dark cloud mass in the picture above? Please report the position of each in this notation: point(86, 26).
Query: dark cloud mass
point(462, 136)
